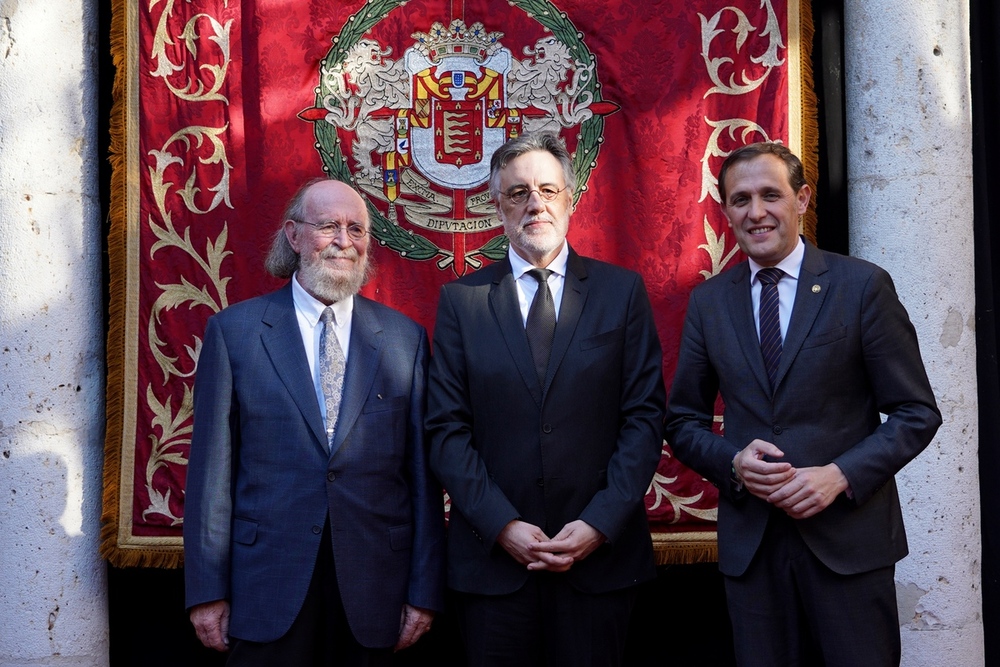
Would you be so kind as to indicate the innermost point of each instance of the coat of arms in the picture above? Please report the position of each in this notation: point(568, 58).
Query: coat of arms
point(415, 133)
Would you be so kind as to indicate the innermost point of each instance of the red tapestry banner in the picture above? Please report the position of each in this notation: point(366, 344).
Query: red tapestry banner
point(224, 107)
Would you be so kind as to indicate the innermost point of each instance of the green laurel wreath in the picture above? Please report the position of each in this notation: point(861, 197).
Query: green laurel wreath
point(405, 242)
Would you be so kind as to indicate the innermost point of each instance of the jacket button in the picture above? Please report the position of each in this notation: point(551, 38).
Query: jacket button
point(546, 428)
point(776, 430)
point(317, 530)
point(331, 476)
point(540, 481)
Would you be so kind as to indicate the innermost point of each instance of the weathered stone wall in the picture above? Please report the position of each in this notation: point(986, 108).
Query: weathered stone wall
point(53, 600)
point(909, 130)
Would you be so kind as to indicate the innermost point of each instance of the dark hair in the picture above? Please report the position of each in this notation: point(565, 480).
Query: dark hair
point(796, 174)
point(548, 142)
point(282, 261)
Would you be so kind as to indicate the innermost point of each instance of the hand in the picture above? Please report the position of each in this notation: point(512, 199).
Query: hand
point(413, 623)
point(516, 537)
point(573, 543)
point(810, 491)
point(211, 623)
point(760, 477)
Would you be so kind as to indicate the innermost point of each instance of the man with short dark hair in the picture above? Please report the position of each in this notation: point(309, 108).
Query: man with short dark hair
point(544, 406)
point(313, 530)
point(807, 348)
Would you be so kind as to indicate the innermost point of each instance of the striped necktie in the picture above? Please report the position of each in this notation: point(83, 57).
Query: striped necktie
point(770, 322)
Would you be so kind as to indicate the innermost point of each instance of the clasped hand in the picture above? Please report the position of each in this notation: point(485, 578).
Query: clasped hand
point(530, 546)
point(800, 492)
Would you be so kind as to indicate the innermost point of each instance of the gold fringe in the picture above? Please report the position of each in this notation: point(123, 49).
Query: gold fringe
point(111, 548)
point(685, 548)
point(810, 113)
point(117, 269)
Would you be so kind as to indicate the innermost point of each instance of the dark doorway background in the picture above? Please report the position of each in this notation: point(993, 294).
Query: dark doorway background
point(984, 37)
point(680, 619)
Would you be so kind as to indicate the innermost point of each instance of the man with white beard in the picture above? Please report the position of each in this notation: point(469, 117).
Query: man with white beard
point(313, 529)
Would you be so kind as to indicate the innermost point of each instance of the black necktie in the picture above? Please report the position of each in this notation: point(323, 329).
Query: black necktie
point(541, 324)
point(770, 323)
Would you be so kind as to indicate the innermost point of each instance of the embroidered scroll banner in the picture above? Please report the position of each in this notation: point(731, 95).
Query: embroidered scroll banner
point(223, 107)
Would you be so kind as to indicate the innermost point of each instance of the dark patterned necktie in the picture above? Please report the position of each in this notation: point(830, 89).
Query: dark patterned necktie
point(770, 322)
point(541, 323)
point(331, 372)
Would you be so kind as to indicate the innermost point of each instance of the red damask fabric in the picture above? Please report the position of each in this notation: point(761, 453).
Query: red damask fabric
point(237, 103)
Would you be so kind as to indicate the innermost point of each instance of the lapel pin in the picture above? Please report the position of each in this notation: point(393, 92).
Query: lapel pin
point(380, 397)
point(816, 289)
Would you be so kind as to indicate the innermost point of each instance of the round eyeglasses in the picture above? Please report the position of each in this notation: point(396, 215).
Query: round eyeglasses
point(520, 194)
point(330, 229)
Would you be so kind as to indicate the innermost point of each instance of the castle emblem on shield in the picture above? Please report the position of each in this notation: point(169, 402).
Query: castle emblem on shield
point(415, 133)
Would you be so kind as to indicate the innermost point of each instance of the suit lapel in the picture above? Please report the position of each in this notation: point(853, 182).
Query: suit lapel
point(813, 285)
point(362, 365)
point(573, 298)
point(283, 341)
point(503, 303)
point(740, 306)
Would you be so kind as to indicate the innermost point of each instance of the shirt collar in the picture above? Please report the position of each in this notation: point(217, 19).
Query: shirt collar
point(519, 266)
point(312, 308)
point(791, 264)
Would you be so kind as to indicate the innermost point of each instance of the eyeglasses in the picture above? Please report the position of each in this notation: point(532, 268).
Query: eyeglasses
point(520, 194)
point(330, 229)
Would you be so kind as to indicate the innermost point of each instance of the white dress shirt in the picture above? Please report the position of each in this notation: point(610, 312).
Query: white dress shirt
point(527, 286)
point(308, 310)
point(791, 265)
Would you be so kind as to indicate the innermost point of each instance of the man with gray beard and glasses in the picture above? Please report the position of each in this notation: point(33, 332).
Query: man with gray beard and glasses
point(544, 410)
point(313, 530)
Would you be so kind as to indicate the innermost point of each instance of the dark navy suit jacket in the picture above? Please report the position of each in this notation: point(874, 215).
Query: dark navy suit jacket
point(850, 353)
point(261, 482)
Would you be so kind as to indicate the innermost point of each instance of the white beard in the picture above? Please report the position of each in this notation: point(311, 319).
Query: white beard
point(331, 285)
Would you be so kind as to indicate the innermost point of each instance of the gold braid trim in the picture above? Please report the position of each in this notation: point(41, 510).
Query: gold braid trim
point(113, 547)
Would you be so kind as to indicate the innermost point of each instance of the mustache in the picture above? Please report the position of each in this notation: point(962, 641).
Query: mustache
point(542, 218)
point(333, 252)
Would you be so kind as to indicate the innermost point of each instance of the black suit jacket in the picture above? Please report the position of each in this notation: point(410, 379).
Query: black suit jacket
point(583, 446)
point(261, 482)
point(850, 353)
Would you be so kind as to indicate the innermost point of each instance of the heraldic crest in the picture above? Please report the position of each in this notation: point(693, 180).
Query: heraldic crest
point(415, 134)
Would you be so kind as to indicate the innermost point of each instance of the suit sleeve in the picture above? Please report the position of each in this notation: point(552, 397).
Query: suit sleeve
point(900, 387)
point(449, 423)
point(691, 408)
point(207, 500)
point(427, 566)
point(641, 405)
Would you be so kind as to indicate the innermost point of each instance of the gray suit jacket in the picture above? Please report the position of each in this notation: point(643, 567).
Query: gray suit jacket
point(850, 353)
point(261, 482)
point(582, 445)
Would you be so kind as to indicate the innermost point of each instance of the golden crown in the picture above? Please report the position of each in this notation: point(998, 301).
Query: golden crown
point(457, 40)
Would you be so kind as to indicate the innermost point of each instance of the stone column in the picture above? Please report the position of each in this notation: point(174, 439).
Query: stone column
point(53, 599)
point(909, 129)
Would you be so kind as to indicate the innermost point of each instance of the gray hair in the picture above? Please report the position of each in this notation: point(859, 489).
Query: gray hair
point(282, 261)
point(548, 142)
